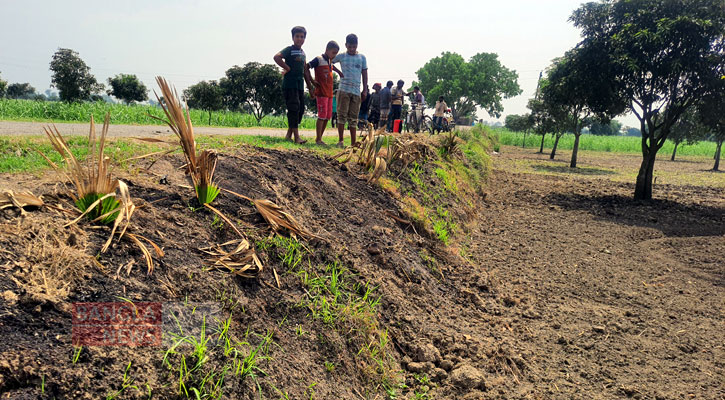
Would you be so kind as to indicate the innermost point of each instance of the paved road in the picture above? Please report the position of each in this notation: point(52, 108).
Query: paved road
point(12, 128)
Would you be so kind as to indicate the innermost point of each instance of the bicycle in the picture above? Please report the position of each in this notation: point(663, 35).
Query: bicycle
point(425, 124)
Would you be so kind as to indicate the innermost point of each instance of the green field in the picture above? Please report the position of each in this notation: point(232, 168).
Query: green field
point(616, 144)
point(56, 111)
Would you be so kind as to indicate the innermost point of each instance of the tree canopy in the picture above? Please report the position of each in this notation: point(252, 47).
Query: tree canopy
point(254, 87)
point(482, 81)
point(205, 95)
point(656, 54)
point(72, 77)
point(519, 123)
point(604, 128)
point(21, 91)
point(128, 88)
point(3, 87)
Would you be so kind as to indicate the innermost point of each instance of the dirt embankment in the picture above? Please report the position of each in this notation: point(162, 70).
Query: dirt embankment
point(554, 288)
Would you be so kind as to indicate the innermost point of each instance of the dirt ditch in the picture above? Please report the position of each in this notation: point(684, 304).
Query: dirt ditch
point(554, 288)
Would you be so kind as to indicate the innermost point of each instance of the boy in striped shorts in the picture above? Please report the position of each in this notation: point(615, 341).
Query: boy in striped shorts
point(323, 84)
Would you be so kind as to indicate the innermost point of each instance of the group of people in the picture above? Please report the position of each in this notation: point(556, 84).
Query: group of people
point(348, 104)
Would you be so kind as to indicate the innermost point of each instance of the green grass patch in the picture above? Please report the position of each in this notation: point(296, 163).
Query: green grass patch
point(612, 144)
point(56, 111)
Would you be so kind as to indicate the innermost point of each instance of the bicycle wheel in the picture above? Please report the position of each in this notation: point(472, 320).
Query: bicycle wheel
point(427, 125)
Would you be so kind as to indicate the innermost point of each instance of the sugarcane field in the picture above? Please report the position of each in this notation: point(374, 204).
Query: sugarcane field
point(529, 215)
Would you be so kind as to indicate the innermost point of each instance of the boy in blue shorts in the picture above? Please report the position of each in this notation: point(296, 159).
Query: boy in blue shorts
point(353, 65)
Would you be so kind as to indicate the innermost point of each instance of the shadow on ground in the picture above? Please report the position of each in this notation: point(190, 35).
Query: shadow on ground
point(672, 218)
point(565, 169)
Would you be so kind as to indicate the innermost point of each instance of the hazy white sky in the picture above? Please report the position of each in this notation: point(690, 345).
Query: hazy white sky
point(187, 41)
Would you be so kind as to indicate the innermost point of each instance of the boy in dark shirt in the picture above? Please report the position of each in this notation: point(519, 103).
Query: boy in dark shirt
point(292, 60)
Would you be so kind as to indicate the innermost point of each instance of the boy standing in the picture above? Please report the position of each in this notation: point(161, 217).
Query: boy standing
point(354, 65)
point(292, 60)
point(323, 83)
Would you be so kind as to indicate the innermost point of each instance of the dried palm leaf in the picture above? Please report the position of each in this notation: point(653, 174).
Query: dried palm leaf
point(199, 167)
point(240, 260)
point(275, 216)
point(96, 189)
point(93, 182)
point(11, 198)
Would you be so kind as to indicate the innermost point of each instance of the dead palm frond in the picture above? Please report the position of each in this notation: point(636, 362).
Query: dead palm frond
point(199, 166)
point(95, 187)
point(370, 153)
point(22, 199)
point(275, 216)
point(236, 257)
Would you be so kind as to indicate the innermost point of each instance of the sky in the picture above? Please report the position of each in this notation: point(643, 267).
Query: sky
point(187, 41)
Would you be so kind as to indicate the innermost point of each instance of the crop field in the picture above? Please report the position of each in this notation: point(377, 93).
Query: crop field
point(56, 111)
point(612, 144)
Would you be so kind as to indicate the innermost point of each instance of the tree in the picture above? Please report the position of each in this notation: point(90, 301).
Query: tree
point(128, 88)
point(576, 85)
point(687, 129)
point(710, 111)
point(205, 95)
point(543, 121)
point(658, 54)
point(631, 131)
point(255, 86)
point(72, 77)
point(604, 128)
point(480, 82)
point(518, 123)
point(3, 87)
point(20, 91)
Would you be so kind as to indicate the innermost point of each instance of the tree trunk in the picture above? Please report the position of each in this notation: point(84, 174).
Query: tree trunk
point(674, 151)
point(523, 145)
point(209, 117)
point(541, 148)
point(575, 151)
point(643, 188)
point(717, 156)
point(556, 143)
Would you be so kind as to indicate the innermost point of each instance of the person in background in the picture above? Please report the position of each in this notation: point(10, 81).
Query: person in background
point(354, 66)
point(333, 121)
point(440, 109)
point(397, 94)
point(375, 105)
point(323, 83)
point(295, 75)
point(385, 102)
point(364, 112)
point(417, 105)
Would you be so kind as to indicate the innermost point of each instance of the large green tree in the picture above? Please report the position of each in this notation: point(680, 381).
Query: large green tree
point(205, 95)
point(128, 88)
point(254, 88)
point(72, 77)
point(482, 81)
point(658, 55)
